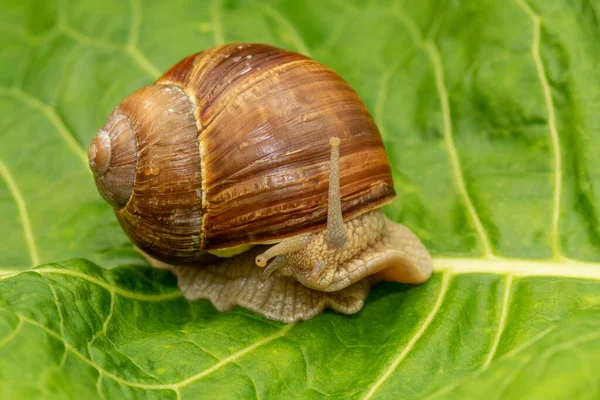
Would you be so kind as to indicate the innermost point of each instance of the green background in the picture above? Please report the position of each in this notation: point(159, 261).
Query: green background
point(489, 112)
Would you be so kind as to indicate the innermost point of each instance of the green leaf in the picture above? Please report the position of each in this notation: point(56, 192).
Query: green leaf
point(489, 112)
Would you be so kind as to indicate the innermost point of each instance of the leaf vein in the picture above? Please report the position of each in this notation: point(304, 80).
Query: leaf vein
point(215, 16)
point(61, 320)
point(99, 386)
point(447, 388)
point(295, 37)
point(90, 362)
point(446, 278)
point(66, 73)
point(136, 22)
point(143, 62)
point(84, 39)
point(452, 150)
point(550, 109)
point(502, 323)
point(382, 95)
point(102, 331)
point(566, 268)
point(52, 116)
point(235, 356)
point(132, 44)
point(8, 338)
point(118, 290)
point(174, 386)
point(17, 196)
point(438, 69)
point(336, 33)
point(127, 356)
point(131, 49)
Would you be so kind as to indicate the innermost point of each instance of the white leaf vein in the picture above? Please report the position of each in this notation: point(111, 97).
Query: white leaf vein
point(550, 109)
point(118, 290)
point(61, 320)
point(66, 73)
point(52, 116)
point(445, 284)
point(438, 69)
point(133, 45)
point(131, 360)
point(502, 322)
point(99, 387)
point(449, 387)
point(8, 338)
point(136, 22)
point(294, 36)
point(168, 386)
point(382, 96)
point(17, 196)
point(131, 48)
point(217, 26)
point(102, 331)
point(566, 268)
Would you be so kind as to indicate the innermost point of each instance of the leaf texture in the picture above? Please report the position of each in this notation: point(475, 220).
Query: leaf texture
point(489, 115)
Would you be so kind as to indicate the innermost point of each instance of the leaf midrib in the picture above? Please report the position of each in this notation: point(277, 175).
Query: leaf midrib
point(565, 268)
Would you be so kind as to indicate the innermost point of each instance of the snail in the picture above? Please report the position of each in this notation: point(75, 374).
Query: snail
point(257, 176)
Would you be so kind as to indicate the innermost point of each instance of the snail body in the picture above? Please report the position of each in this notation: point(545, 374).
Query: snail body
point(244, 154)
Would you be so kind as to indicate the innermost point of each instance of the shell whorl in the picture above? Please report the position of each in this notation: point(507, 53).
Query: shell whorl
point(265, 117)
point(231, 147)
point(112, 158)
point(99, 153)
point(150, 144)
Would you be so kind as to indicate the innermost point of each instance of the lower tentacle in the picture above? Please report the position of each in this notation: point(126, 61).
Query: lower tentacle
point(238, 281)
point(307, 275)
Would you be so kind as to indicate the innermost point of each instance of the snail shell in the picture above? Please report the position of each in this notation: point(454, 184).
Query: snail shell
point(231, 148)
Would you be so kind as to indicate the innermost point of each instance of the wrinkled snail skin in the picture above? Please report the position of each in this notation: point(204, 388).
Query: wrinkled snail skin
point(257, 154)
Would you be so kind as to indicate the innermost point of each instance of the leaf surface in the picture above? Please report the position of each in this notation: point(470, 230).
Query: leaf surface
point(489, 114)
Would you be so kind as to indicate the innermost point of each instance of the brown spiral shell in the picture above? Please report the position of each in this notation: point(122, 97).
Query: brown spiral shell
point(231, 147)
